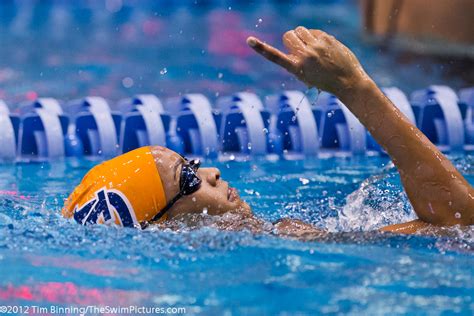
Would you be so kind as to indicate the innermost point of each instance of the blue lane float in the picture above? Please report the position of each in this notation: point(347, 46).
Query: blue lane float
point(144, 122)
point(339, 129)
point(42, 129)
point(292, 123)
point(194, 124)
point(96, 127)
point(240, 125)
point(466, 99)
point(439, 117)
point(9, 125)
point(245, 123)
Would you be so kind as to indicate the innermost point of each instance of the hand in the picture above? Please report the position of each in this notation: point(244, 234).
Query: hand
point(316, 58)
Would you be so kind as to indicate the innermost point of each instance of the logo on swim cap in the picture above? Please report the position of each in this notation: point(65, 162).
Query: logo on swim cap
point(108, 206)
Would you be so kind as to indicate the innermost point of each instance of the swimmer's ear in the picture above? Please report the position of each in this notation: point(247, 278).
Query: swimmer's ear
point(272, 54)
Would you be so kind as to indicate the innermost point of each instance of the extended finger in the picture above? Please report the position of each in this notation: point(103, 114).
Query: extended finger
point(304, 34)
point(293, 43)
point(271, 53)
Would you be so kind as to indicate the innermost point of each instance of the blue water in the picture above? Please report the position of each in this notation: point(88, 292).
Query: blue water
point(65, 50)
point(354, 270)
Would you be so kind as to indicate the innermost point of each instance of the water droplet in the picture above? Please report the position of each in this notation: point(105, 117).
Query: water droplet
point(204, 210)
point(163, 71)
point(304, 181)
point(220, 75)
point(127, 82)
point(405, 260)
point(457, 215)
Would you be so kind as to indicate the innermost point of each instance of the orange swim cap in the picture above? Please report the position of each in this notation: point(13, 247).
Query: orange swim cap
point(125, 190)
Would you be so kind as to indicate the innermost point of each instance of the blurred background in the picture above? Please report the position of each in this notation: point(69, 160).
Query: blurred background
point(116, 48)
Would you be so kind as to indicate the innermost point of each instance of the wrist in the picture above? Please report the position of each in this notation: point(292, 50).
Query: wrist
point(356, 88)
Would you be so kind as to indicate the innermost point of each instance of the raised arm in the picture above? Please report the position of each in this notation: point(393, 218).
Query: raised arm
point(437, 191)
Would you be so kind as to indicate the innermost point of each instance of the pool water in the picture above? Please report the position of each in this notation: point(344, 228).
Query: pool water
point(66, 49)
point(46, 259)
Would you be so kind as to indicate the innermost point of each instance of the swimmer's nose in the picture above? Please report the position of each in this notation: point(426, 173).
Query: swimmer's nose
point(213, 175)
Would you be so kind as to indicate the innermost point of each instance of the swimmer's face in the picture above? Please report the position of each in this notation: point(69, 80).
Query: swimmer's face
point(214, 196)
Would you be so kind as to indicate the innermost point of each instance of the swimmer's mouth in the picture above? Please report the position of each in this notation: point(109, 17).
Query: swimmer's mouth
point(232, 194)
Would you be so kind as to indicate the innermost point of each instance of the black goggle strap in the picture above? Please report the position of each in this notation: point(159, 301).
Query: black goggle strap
point(167, 207)
point(185, 179)
point(182, 192)
point(163, 211)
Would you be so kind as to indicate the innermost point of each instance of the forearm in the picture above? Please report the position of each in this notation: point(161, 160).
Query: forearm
point(403, 141)
point(294, 228)
point(437, 191)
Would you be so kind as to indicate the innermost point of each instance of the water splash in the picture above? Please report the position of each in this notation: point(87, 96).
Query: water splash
point(374, 204)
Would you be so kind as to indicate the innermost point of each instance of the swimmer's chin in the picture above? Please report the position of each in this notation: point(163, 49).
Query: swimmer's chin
point(245, 208)
point(242, 207)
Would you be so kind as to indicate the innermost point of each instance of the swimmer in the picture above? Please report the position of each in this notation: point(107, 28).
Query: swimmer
point(156, 185)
